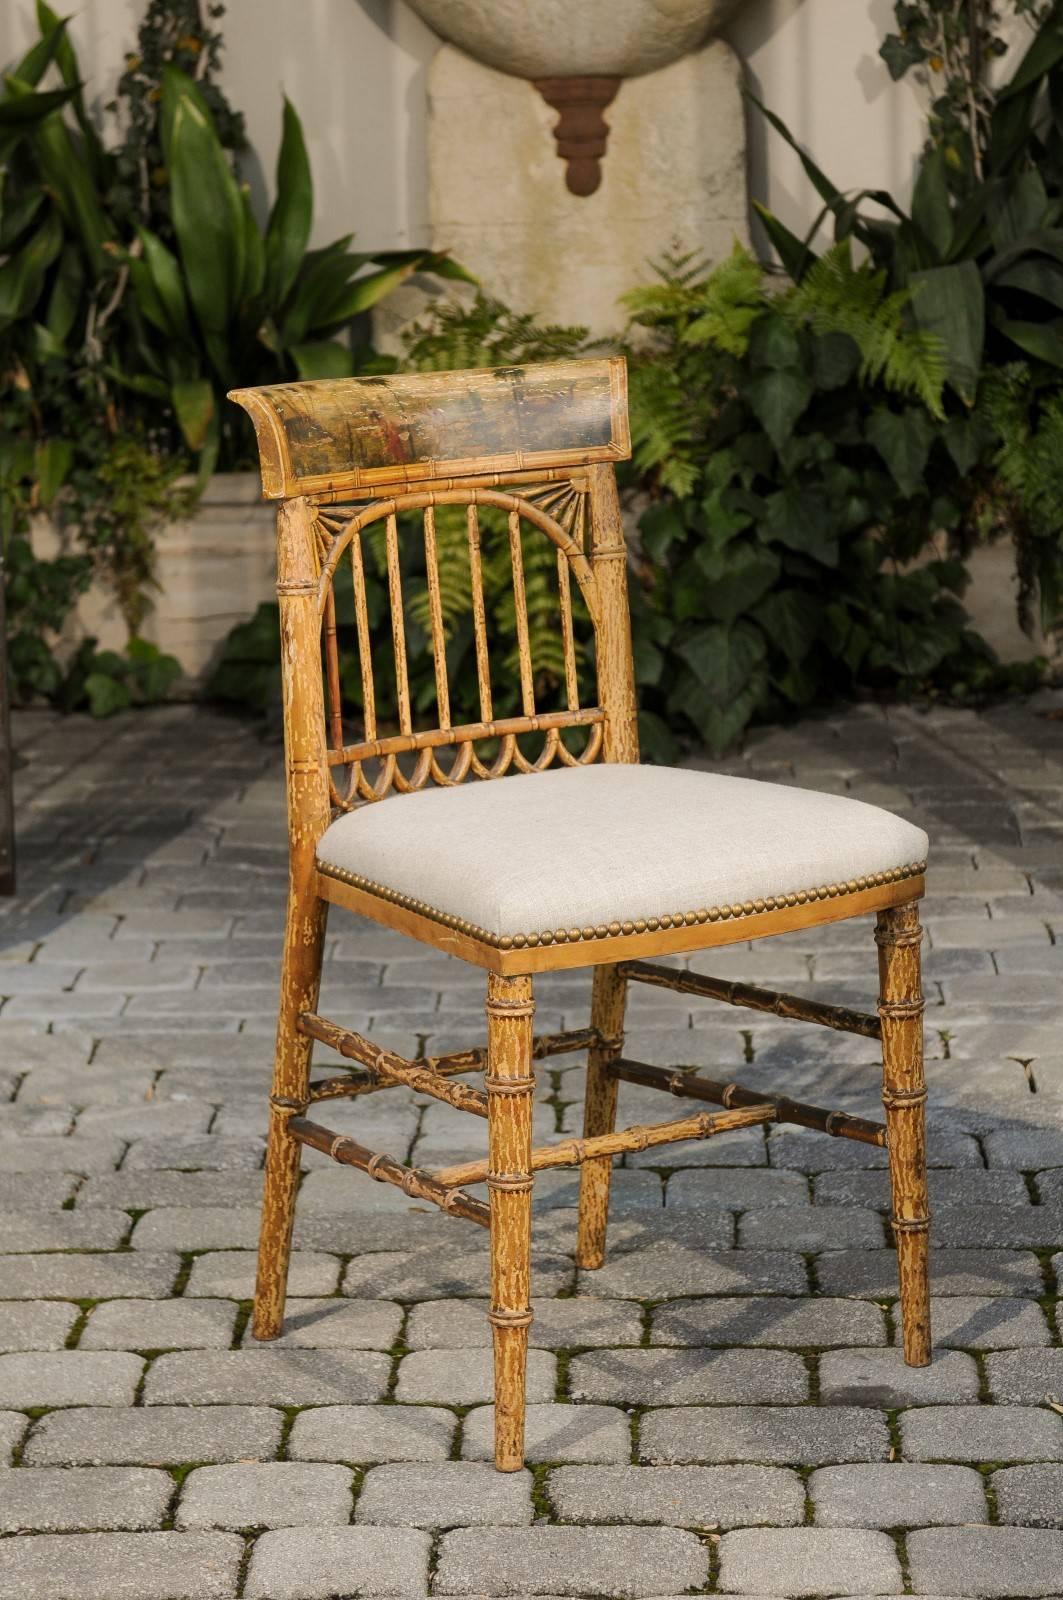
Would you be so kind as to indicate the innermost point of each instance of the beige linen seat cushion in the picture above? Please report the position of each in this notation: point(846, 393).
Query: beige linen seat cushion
point(578, 849)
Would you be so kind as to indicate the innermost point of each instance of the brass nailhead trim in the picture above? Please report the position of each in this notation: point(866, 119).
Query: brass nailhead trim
point(521, 941)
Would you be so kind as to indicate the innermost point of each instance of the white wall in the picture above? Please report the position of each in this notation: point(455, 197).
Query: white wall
point(356, 71)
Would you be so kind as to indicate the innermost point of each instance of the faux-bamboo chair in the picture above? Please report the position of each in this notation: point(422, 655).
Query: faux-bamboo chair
point(602, 863)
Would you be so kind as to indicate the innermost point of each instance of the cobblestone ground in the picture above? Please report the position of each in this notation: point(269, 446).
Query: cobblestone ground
point(722, 1408)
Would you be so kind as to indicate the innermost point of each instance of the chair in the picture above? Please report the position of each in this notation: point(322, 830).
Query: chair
point(598, 862)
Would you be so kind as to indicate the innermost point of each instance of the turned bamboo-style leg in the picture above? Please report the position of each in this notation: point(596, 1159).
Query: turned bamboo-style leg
point(898, 936)
point(608, 999)
point(300, 981)
point(510, 1084)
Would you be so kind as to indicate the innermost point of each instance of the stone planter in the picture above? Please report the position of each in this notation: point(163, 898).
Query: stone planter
point(213, 570)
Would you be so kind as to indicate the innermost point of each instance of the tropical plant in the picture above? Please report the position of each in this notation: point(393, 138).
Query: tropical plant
point(788, 441)
point(235, 304)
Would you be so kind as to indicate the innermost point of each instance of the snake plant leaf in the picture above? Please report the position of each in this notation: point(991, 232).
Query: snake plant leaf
point(254, 251)
point(65, 298)
point(23, 106)
point(67, 62)
point(1016, 206)
point(365, 292)
point(70, 182)
point(38, 59)
point(793, 252)
point(949, 302)
point(1043, 340)
point(1044, 53)
point(931, 208)
point(208, 213)
point(322, 358)
point(16, 217)
point(163, 271)
point(321, 281)
point(22, 274)
point(288, 229)
point(1035, 276)
point(194, 407)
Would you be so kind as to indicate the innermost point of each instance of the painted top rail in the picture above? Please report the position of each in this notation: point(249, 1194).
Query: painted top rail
point(411, 429)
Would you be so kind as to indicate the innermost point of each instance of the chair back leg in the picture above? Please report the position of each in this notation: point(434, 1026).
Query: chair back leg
point(304, 941)
point(510, 1085)
point(608, 1002)
point(898, 936)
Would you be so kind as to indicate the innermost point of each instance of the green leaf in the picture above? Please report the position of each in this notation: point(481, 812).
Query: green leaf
point(167, 283)
point(1044, 340)
point(38, 59)
point(737, 578)
point(106, 695)
point(154, 674)
point(802, 520)
point(365, 292)
point(322, 358)
point(903, 440)
point(791, 620)
point(793, 252)
point(254, 251)
point(1044, 53)
point(726, 681)
point(1035, 276)
point(208, 213)
point(65, 298)
point(660, 526)
point(22, 275)
point(67, 176)
point(288, 230)
point(1015, 207)
point(778, 399)
point(835, 359)
point(20, 110)
point(774, 342)
point(931, 208)
point(52, 462)
point(949, 302)
point(194, 408)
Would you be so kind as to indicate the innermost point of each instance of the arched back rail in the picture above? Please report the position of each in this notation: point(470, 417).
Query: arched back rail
point(514, 581)
point(339, 540)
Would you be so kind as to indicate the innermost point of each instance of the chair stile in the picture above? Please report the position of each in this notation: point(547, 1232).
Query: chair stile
point(535, 446)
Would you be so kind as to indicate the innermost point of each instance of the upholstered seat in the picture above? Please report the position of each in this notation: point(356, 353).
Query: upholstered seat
point(586, 848)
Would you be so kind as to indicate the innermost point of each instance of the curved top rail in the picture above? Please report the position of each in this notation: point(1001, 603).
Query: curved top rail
point(412, 428)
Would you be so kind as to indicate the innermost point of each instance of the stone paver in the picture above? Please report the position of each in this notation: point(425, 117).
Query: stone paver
point(122, 1566)
point(896, 1493)
point(273, 1494)
point(69, 1378)
point(627, 1562)
point(741, 1342)
point(372, 1433)
point(266, 1377)
point(1030, 1496)
point(317, 1563)
point(808, 1561)
point(445, 1494)
point(989, 1562)
point(781, 1435)
point(151, 1435)
point(983, 1433)
point(685, 1497)
point(71, 1499)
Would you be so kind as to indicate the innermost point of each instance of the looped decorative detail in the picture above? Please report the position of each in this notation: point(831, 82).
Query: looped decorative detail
point(373, 1164)
point(296, 586)
point(902, 939)
point(511, 1008)
point(495, 1085)
point(510, 1182)
point(725, 1098)
point(510, 1319)
point(829, 1124)
point(337, 1144)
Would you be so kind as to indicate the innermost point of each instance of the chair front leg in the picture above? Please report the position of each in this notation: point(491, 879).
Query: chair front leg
point(898, 936)
point(608, 1002)
point(510, 1084)
point(304, 940)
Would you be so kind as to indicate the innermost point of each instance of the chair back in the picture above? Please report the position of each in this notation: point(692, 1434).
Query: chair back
point(491, 494)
